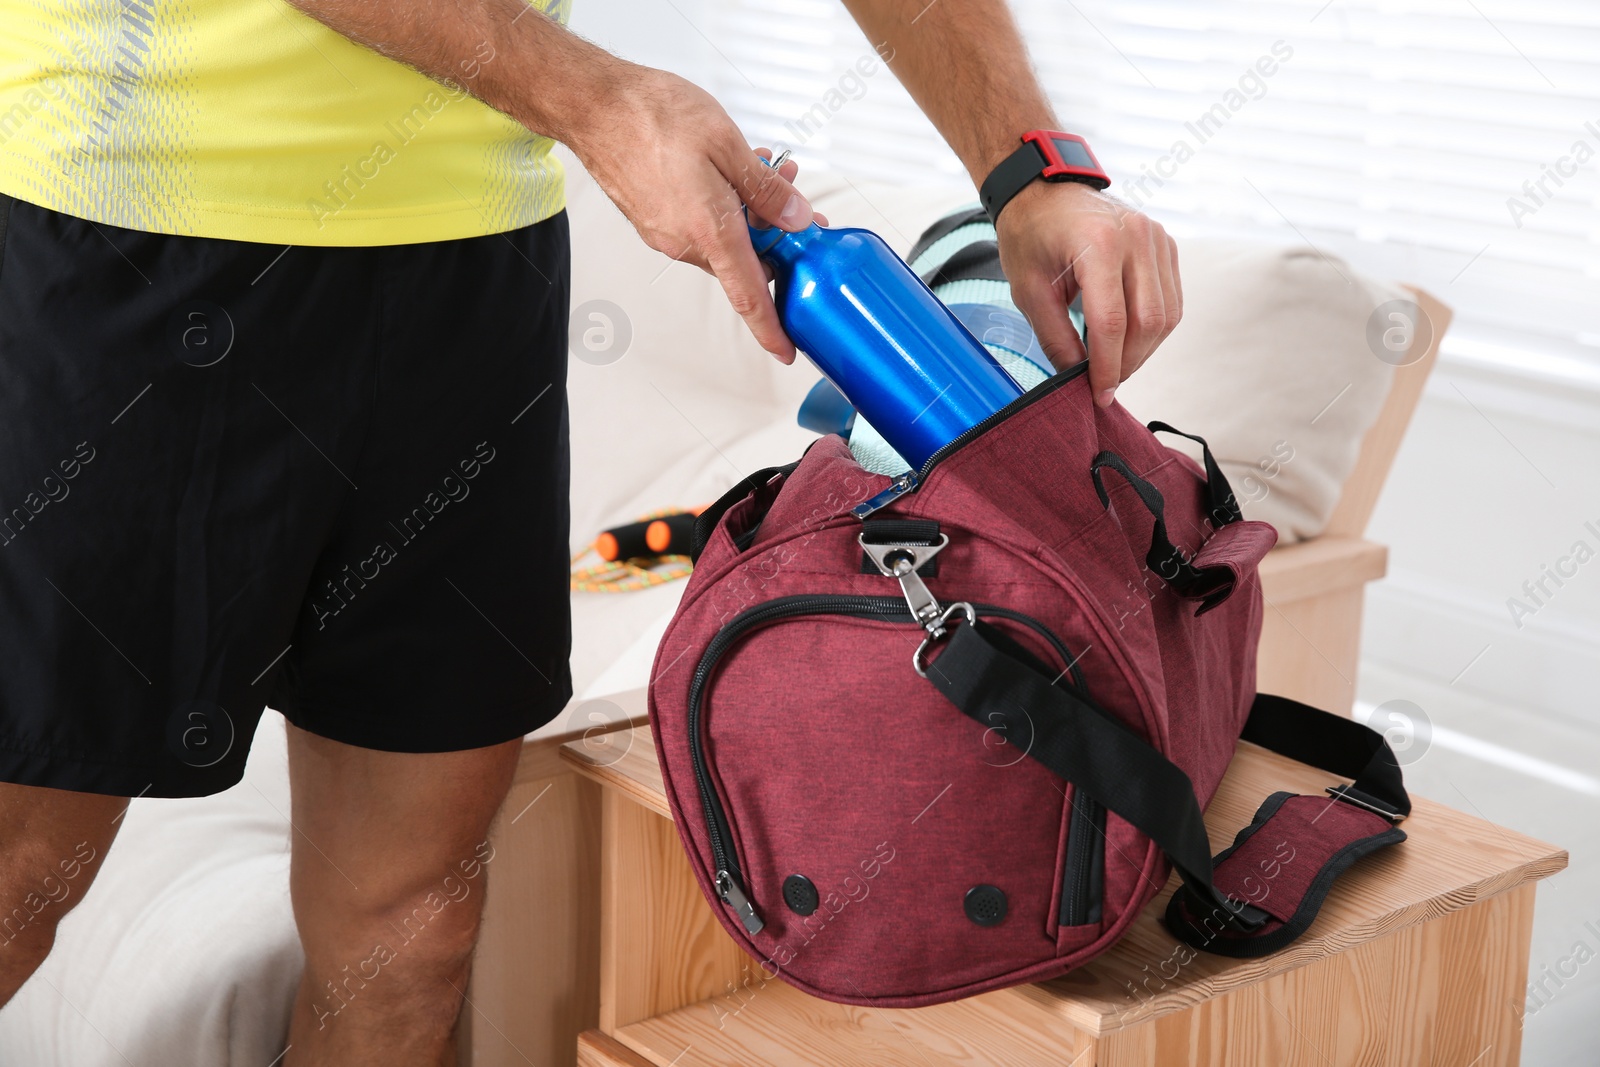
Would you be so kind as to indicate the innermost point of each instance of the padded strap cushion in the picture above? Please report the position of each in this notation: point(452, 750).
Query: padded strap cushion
point(1284, 863)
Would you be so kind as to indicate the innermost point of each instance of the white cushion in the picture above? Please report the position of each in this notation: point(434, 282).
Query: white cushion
point(630, 670)
point(603, 626)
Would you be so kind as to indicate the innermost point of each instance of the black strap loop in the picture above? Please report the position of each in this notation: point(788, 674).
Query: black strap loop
point(1211, 585)
point(1221, 505)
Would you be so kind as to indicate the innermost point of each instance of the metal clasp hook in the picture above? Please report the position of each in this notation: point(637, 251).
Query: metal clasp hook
point(901, 562)
point(960, 607)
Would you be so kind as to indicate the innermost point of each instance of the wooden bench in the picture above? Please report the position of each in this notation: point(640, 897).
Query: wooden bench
point(1418, 957)
point(535, 979)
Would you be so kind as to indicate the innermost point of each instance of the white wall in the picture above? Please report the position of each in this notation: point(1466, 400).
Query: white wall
point(653, 32)
point(1495, 481)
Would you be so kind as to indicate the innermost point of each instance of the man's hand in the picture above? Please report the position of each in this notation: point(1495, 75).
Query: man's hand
point(673, 161)
point(1059, 240)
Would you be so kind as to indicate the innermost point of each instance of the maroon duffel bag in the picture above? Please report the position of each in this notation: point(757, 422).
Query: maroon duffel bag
point(929, 736)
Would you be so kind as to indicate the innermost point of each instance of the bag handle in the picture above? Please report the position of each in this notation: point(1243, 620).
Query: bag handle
point(1210, 585)
point(1218, 908)
point(1208, 577)
point(1221, 505)
point(706, 522)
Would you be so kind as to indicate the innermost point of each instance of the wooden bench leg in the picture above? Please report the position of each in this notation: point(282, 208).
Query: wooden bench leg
point(535, 981)
point(660, 946)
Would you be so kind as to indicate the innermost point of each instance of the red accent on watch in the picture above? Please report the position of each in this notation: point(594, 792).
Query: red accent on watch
point(1055, 166)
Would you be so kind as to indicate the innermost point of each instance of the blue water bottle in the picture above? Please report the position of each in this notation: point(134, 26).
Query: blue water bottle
point(881, 337)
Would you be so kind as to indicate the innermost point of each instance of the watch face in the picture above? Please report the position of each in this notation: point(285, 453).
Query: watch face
point(1073, 154)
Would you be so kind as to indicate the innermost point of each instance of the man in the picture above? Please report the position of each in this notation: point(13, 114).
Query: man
point(282, 344)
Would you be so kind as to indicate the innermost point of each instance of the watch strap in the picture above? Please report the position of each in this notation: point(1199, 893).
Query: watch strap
point(1028, 162)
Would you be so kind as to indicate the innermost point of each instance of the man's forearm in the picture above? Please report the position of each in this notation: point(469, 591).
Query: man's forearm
point(964, 63)
point(502, 51)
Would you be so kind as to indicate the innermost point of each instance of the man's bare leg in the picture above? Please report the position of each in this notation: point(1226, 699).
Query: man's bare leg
point(52, 843)
point(387, 876)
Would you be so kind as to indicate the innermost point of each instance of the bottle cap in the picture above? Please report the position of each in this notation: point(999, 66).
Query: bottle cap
point(764, 237)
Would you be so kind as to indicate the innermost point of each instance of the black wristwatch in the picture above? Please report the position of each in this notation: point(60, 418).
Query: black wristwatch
point(1048, 154)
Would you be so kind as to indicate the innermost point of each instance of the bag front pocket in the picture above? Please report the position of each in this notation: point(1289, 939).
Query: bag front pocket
point(871, 839)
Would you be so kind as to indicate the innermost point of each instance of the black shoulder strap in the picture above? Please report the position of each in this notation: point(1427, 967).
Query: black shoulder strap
point(1221, 906)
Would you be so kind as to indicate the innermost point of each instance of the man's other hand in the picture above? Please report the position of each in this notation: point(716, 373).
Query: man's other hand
point(1061, 239)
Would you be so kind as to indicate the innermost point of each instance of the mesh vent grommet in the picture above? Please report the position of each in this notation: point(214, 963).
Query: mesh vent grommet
point(800, 894)
point(985, 905)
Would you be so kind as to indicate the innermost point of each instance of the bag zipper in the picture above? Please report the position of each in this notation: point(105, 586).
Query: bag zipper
point(909, 480)
point(727, 877)
point(1088, 826)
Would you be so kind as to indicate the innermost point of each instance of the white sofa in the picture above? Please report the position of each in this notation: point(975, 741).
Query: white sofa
point(184, 952)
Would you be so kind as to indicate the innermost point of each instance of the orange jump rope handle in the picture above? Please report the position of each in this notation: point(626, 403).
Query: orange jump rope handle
point(669, 535)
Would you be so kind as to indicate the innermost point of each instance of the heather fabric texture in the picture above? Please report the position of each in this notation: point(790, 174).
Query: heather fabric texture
point(1319, 828)
point(834, 760)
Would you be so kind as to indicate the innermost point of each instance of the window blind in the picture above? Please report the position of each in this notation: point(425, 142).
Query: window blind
point(1454, 144)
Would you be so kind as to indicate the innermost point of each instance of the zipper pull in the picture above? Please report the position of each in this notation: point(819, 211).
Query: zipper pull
point(734, 897)
point(892, 492)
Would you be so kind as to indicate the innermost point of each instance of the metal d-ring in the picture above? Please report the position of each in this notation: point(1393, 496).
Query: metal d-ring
point(938, 628)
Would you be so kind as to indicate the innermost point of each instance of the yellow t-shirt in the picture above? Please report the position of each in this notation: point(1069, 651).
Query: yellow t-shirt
point(249, 120)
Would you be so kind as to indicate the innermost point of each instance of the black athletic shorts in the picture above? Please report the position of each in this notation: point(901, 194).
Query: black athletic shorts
point(332, 480)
